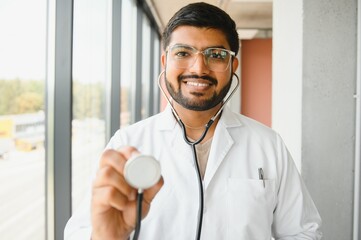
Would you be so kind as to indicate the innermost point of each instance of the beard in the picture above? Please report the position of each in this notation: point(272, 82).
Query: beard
point(197, 105)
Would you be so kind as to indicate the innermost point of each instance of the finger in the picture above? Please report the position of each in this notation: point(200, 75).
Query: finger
point(128, 151)
point(150, 193)
point(106, 197)
point(108, 176)
point(114, 159)
point(117, 158)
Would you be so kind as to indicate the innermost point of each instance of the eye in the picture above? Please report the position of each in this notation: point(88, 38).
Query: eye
point(181, 52)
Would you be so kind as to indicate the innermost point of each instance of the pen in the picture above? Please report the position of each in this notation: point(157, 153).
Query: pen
point(261, 176)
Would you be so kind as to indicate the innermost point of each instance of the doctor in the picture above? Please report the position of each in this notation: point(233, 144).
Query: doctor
point(251, 187)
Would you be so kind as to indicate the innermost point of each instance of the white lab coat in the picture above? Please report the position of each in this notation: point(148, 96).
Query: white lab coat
point(237, 205)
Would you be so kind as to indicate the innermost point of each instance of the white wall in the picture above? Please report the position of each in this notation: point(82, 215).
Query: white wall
point(287, 74)
point(314, 82)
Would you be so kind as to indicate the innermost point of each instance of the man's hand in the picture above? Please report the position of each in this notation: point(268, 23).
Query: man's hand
point(114, 200)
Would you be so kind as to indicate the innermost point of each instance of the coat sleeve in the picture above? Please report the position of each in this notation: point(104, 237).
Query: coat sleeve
point(78, 226)
point(295, 215)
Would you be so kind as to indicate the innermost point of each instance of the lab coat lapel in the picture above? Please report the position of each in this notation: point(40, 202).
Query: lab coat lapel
point(180, 147)
point(221, 144)
point(174, 135)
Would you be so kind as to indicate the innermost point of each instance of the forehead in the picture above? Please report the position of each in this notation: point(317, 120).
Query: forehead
point(199, 38)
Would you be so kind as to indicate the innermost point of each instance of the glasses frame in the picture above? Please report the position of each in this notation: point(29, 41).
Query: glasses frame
point(203, 52)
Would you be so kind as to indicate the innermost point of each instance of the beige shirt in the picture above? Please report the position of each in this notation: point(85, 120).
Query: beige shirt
point(203, 150)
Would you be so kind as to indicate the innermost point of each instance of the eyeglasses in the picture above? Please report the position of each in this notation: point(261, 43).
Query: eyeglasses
point(184, 56)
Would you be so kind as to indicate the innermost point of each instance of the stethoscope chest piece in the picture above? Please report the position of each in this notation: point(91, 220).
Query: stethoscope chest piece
point(142, 171)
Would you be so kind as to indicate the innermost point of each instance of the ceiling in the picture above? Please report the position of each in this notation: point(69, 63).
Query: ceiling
point(253, 17)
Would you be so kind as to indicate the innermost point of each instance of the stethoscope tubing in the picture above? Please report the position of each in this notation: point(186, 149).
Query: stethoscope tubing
point(194, 143)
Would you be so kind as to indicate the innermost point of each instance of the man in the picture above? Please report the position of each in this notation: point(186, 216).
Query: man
point(250, 186)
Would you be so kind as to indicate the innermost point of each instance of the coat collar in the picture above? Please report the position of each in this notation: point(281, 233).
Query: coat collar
point(221, 143)
point(229, 118)
point(167, 120)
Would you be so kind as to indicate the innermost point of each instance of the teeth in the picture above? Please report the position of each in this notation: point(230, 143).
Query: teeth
point(198, 84)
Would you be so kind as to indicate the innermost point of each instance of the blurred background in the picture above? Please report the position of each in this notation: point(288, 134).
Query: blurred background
point(72, 72)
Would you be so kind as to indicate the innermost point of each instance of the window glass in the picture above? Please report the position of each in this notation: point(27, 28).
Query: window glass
point(22, 129)
point(91, 75)
point(156, 71)
point(146, 78)
point(128, 64)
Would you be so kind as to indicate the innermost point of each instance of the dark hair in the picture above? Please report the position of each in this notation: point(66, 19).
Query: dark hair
point(203, 15)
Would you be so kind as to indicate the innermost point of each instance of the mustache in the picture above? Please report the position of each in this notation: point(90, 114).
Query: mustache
point(208, 78)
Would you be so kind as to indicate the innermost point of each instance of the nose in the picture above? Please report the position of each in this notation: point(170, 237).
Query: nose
point(199, 66)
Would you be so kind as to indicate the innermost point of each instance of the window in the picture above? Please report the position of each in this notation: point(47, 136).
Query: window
point(22, 129)
point(156, 70)
point(61, 65)
point(128, 62)
point(91, 76)
point(146, 65)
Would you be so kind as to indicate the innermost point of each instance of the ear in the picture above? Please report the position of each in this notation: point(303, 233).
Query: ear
point(235, 63)
point(163, 59)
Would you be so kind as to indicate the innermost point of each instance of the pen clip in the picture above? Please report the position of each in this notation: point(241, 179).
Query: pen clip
point(261, 176)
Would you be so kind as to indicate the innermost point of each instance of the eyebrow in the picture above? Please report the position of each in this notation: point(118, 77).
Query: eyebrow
point(186, 45)
point(217, 46)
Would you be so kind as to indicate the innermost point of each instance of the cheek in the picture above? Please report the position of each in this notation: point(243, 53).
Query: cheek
point(223, 80)
point(172, 75)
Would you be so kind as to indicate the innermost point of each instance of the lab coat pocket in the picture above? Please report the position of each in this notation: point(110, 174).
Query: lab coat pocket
point(250, 205)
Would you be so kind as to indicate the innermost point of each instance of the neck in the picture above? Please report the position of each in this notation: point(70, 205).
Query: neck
point(195, 121)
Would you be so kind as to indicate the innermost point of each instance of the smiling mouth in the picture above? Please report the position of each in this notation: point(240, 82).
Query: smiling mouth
point(198, 84)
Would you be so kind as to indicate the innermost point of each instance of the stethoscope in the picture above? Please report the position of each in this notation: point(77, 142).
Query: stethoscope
point(134, 168)
point(193, 144)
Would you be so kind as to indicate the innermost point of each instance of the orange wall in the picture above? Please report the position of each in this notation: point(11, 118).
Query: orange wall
point(256, 79)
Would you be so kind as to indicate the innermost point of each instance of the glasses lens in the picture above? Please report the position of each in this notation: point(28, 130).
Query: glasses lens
point(182, 56)
point(217, 59)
